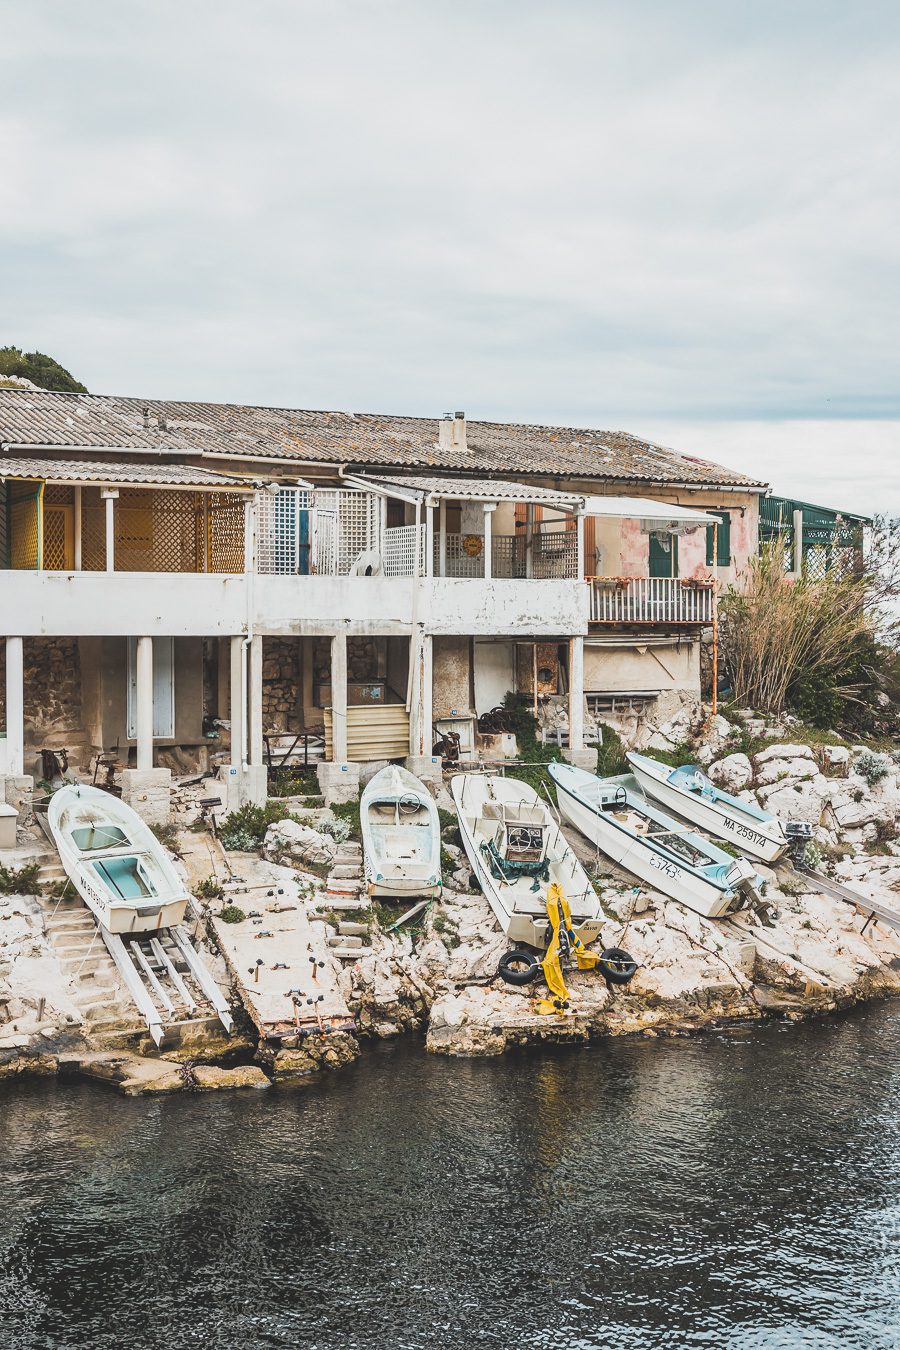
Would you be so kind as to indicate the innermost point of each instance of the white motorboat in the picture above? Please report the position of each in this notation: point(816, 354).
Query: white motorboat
point(615, 815)
point(401, 835)
point(115, 862)
point(688, 791)
point(517, 851)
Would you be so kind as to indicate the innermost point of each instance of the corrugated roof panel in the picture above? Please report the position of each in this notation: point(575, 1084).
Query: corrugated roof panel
point(114, 471)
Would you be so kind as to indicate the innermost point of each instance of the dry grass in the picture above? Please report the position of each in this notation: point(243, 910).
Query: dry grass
point(774, 630)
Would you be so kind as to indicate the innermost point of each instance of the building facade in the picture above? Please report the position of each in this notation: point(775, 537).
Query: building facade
point(369, 581)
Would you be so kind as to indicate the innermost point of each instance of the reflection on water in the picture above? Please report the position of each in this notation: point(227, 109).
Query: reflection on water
point(732, 1191)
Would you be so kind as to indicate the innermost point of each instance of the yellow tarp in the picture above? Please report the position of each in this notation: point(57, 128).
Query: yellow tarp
point(563, 941)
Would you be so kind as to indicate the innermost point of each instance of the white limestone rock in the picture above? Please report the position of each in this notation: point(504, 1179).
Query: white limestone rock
point(797, 798)
point(775, 770)
point(733, 773)
point(779, 751)
point(289, 841)
point(717, 737)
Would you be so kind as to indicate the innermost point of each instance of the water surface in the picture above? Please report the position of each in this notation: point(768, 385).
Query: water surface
point(737, 1190)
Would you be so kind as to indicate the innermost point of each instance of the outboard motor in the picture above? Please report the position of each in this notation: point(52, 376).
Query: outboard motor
point(798, 834)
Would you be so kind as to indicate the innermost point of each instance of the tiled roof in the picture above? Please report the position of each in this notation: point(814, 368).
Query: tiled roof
point(480, 489)
point(114, 471)
point(32, 419)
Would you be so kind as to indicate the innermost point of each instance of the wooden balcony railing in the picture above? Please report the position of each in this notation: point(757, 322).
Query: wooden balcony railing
point(650, 600)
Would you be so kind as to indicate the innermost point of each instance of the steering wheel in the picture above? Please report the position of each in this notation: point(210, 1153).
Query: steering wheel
point(621, 797)
point(408, 805)
point(519, 838)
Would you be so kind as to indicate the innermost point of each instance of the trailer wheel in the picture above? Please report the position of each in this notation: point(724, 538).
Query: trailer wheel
point(616, 966)
point(519, 966)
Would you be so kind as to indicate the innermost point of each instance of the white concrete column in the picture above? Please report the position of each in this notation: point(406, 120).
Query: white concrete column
point(579, 535)
point(576, 694)
point(238, 702)
point(489, 509)
point(15, 706)
point(77, 528)
point(250, 513)
point(256, 700)
point(798, 542)
point(442, 538)
point(529, 539)
point(429, 541)
point(143, 673)
point(339, 698)
point(420, 705)
point(110, 495)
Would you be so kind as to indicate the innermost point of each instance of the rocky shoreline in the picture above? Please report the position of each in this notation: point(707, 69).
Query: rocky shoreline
point(437, 976)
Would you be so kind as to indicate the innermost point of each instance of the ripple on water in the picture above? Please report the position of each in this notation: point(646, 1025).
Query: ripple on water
point(729, 1191)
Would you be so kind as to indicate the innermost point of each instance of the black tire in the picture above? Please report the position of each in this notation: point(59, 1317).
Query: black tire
point(519, 966)
point(616, 966)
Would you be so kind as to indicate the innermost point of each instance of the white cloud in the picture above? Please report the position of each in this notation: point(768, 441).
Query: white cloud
point(622, 214)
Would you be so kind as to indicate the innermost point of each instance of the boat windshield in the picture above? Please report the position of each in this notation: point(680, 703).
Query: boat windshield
point(89, 838)
point(691, 778)
point(125, 877)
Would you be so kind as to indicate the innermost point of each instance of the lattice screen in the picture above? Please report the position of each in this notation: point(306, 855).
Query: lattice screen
point(399, 551)
point(284, 532)
point(93, 530)
point(24, 525)
point(225, 532)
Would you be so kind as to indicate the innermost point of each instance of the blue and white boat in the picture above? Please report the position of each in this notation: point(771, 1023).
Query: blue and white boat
point(688, 791)
point(618, 819)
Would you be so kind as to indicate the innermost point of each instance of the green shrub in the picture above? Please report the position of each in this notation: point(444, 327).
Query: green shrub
point(232, 914)
point(167, 836)
point(681, 754)
point(872, 767)
point(245, 828)
point(20, 880)
point(611, 754)
point(209, 889)
point(349, 813)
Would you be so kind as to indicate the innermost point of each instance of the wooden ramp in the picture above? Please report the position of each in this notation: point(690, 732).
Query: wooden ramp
point(373, 732)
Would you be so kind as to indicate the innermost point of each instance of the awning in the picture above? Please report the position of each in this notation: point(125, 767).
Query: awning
point(653, 515)
point(111, 474)
point(469, 489)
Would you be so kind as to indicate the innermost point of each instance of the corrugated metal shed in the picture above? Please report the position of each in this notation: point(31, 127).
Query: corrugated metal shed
point(38, 419)
point(113, 472)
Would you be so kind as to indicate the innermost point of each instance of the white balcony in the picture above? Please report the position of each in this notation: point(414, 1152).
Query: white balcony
point(650, 600)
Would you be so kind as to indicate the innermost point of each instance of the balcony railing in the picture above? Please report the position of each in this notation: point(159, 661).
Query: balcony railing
point(554, 555)
point(650, 600)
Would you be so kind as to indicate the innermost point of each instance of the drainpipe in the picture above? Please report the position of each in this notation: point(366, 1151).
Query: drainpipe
point(414, 638)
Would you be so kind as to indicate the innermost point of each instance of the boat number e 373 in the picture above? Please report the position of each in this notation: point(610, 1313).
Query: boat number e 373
point(661, 865)
point(744, 831)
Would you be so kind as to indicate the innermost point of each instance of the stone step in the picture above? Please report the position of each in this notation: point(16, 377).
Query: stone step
point(350, 953)
point(345, 940)
point(348, 929)
point(348, 853)
point(345, 871)
point(349, 886)
point(340, 904)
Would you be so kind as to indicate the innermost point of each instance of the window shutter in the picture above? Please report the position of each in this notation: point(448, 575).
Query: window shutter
point(723, 558)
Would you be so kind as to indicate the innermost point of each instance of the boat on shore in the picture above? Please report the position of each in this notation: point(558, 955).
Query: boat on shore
point(618, 819)
point(115, 862)
point(401, 835)
point(688, 791)
point(517, 852)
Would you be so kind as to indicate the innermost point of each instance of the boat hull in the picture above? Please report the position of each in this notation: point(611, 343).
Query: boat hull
point(716, 820)
point(644, 862)
point(401, 854)
point(529, 924)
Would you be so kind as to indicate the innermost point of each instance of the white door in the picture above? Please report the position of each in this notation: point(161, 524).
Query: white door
point(163, 689)
point(495, 673)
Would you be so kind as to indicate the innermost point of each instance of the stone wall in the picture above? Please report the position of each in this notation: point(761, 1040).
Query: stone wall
point(282, 684)
point(52, 686)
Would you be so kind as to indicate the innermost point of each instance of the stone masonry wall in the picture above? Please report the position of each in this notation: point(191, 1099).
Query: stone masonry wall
point(52, 686)
point(282, 674)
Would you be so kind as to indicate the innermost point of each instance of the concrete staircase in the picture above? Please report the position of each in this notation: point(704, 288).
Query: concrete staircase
point(74, 739)
point(345, 893)
point(93, 979)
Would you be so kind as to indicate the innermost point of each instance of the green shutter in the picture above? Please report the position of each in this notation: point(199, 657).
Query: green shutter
point(724, 540)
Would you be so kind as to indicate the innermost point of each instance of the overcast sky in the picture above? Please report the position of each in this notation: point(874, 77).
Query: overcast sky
point(677, 218)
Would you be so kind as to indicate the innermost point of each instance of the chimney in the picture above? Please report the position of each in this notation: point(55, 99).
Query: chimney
point(146, 412)
point(452, 432)
point(161, 420)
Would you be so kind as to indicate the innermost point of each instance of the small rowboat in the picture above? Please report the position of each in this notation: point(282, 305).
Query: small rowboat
point(615, 815)
point(517, 852)
point(115, 862)
point(401, 835)
point(688, 791)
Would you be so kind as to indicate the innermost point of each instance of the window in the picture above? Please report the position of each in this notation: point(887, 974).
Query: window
point(723, 552)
